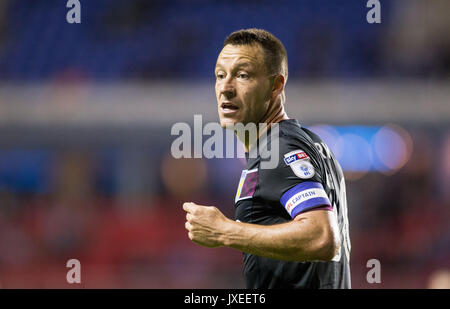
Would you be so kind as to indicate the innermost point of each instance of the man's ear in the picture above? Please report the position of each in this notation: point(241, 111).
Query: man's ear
point(278, 85)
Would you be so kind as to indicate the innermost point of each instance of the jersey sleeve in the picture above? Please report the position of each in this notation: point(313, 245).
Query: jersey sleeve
point(297, 181)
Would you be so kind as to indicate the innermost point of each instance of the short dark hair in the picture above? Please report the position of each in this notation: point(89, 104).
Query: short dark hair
point(275, 53)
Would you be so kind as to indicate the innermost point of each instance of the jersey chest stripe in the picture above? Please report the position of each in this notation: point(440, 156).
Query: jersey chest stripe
point(247, 184)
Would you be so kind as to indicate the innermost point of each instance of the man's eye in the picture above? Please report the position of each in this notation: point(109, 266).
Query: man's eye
point(220, 75)
point(243, 75)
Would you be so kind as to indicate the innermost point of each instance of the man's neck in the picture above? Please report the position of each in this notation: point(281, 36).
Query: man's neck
point(274, 114)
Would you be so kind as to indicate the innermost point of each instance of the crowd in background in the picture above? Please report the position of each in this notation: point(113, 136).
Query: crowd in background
point(119, 210)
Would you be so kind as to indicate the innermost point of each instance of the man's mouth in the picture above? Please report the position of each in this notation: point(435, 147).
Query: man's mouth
point(228, 107)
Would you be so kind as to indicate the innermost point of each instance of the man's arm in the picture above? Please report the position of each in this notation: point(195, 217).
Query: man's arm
point(310, 236)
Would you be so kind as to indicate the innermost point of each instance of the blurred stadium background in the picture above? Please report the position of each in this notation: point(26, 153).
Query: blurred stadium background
point(86, 111)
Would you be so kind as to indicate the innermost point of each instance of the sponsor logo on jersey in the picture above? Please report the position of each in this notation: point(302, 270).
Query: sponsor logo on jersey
point(294, 156)
point(298, 160)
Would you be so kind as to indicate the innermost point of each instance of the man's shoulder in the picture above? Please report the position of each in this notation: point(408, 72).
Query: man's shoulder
point(290, 128)
point(288, 143)
point(292, 135)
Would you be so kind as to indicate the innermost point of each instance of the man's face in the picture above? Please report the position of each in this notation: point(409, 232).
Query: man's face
point(243, 88)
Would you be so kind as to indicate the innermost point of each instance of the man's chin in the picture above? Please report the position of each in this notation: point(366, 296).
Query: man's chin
point(227, 122)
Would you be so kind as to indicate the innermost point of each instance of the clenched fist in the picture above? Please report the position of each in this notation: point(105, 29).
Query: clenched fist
point(206, 225)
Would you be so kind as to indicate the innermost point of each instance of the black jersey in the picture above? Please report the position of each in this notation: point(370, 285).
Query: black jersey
point(306, 177)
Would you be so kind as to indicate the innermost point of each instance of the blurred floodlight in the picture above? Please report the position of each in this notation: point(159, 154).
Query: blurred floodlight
point(392, 146)
point(440, 279)
point(183, 177)
point(360, 149)
point(330, 136)
point(356, 153)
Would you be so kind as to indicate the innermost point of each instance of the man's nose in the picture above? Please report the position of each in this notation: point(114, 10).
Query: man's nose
point(226, 88)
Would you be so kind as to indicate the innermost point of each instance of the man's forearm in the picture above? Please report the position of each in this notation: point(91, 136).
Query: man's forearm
point(298, 240)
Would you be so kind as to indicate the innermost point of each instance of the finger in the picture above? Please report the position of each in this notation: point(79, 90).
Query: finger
point(188, 226)
point(191, 236)
point(188, 217)
point(188, 206)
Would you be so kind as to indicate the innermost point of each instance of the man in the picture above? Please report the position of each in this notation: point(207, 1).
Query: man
point(290, 221)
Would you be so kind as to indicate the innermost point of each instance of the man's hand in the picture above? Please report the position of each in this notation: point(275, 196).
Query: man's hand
point(206, 224)
point(311, 236)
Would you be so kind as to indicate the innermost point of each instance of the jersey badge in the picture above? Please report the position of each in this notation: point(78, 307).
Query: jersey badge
point(295, 156)
point(298, 160)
